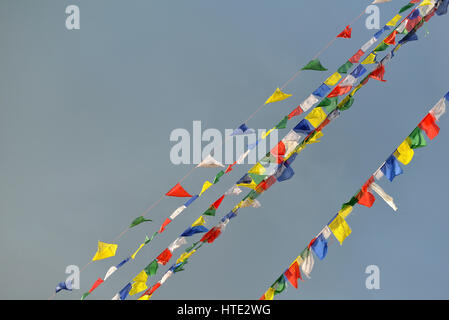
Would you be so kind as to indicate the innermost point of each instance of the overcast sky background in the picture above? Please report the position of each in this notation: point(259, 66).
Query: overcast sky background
point(85, 119)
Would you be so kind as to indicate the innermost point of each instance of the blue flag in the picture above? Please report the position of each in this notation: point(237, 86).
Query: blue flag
point(124, 292)
point(320, 247)
point(229, 216)
point(379, 33)
point(122, 263)
point(190, 231)
point(442, 9)
point(243, 129)
point(391, 168)
point(412, 36)
point(322, 91)
point(359, 71)
point(284, 172)
point(189, 202)
point(303, 126)
point(64, 286)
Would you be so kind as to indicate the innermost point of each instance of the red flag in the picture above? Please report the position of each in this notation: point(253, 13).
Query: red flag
point(164, 257)
point(96, 284)
point(262, 297)
point(429, 126)
point(292, 274)
point(366, 198)
point(178, 191)
point(339, 91)
point(166, 222)
point(356, 58)
point(278, 151)
point(217, 203)
point(150, 291)
point(296, 112)
point(229, 168)
point(211, 235)
point(391, 39)
point(378, 73)
point(323, 124)
point(345, 33)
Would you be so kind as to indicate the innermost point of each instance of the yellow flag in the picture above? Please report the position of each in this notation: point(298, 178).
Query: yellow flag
point(404, 153)
point(141, 277)
point(393, 21)
point(134, 254)
point(333, 79)
point(206, 186)
point(145, 297)
point(370, 59)
point(340, 228)
point(314, 138)
point(185, 256)
point(105, 250)
point(345, 211)
point(426, 3)
point(316, 116)
point(257, 169)
point(266, 134)
point(199, 222)
point(139, 283)
point(251, 185)
point(269, 294)
point(278, 95)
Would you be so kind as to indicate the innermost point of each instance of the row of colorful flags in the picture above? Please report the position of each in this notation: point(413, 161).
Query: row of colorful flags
point(338, 227)
point(283, 172)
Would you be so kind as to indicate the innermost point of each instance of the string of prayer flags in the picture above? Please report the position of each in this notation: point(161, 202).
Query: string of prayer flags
point(314, 65)
point(314, 136)
point(338, 225)
point(346, 33)
point(105, 250)
point(278, 95)
point(177, 191)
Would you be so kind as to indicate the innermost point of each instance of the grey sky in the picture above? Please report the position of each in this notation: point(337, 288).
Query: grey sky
point(85, 118)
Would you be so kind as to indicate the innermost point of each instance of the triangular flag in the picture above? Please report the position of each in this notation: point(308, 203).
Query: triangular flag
point(278, 95)
point(206, 185)
point(209, 162)
point(177, 191)
point(314, 65)
point(105, 250)
point(292, 274)
point(346, 33)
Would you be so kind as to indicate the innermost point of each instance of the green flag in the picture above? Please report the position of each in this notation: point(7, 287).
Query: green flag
point(381, 47)
point(279, 285)
point(417, 139)
point(351, 202)
point(314, 65)
point(151, 269)
point(329, 104)
point(406, 7)
point(85, 295)
point(191, 247)
point(344, 68)
point(253, 194)
point(218, 176)
point(210, 211)
point(138, 220)
point(283, 123)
